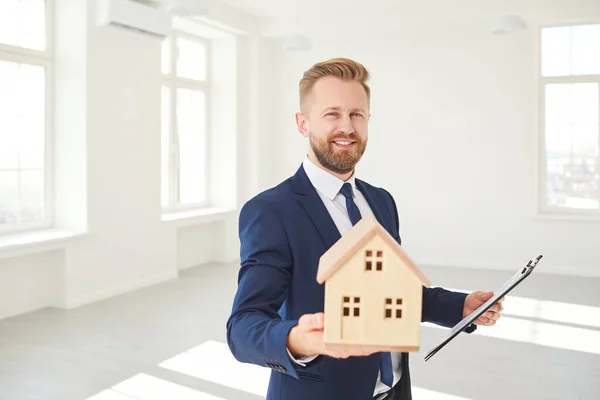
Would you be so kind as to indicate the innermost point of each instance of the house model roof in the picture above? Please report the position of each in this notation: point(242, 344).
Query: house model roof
point(367, 228)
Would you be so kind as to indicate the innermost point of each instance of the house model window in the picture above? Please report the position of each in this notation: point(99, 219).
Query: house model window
point(393, 306)
point(373, 257)
point(348, 306)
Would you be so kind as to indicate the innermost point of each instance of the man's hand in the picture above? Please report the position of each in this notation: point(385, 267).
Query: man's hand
point(306, 339)
point(476, 299)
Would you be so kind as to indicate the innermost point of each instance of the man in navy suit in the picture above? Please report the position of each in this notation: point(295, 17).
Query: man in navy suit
point(277, 317)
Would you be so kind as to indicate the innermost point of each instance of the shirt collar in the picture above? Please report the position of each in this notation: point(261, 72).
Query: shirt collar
point(324, 181)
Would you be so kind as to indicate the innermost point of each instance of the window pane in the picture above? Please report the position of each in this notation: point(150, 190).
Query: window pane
point(575, 186)
point(556, 51)
point(9, 196)
point(572, 138)
point(568, 143)
point(23, 23)
point(32, 195)
point(166, 56)
point(22, 116)
point(571, 50)
point(572, 167)
point(585, 107)
point(31, 100)
point(585, 141)
point(586, 50)
point(572, 103)
point(9, 144)
point(191, 134)
point(191, 59)
point(8, 22)
point(557, 107)
point(165, 144)
point(32, 152)
point(192, 169)
point(558, 141)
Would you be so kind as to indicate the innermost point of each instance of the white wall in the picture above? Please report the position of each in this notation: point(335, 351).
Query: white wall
point(453, 138)
point(107, 130)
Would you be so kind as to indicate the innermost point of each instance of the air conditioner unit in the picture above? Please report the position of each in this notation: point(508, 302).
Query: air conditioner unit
point(134, 16)
point(187, 8)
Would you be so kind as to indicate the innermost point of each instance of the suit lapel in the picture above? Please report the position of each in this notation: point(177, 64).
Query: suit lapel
point(316, 210)
point(378, 210)
point(313, 205)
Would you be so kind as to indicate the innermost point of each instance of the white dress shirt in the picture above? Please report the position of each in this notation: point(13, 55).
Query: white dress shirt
point(328, 187)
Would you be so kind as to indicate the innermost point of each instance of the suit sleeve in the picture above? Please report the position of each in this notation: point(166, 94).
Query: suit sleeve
point(255, 331)
point(440, 306)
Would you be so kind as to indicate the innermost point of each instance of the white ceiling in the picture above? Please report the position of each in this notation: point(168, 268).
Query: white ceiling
point(305, 15)
point(258, 8)
point(406, 8)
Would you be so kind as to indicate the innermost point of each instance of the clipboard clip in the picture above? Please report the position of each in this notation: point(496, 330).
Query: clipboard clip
point(531, 264)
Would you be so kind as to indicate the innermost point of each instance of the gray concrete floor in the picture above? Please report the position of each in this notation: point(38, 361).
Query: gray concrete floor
point(554, 353)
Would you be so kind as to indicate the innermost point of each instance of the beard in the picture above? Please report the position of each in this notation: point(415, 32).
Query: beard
point(338, 160)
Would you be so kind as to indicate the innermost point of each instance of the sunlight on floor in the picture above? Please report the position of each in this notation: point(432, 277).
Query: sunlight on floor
point(212, 361)
point(540, 322)
point(541, 333)
point(553, 311)
point(553, 333)
point(146, 387)
point(586, 316)
point(424, 394)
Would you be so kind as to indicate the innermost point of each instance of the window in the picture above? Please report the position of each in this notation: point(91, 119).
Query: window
point(570, 110)
point(393, 308)
point(185, 125)
point(25, 137)
point(348, 306)
point(370, 260)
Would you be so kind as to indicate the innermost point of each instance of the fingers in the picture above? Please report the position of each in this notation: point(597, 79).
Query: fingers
point(496, 308)
point(488, 318)
point(483, 320)
point(484, 296)
point(312, 321)
point(351, 351)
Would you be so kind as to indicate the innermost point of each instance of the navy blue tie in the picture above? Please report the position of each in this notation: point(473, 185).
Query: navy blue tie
point(353, 211)
point(387, 374)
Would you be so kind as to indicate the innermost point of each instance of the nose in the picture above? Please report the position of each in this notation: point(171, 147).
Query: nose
point(345, 124)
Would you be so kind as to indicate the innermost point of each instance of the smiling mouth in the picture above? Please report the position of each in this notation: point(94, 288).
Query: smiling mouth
point(344, 143)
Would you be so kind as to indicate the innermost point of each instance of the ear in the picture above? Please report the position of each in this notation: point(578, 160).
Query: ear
point(303, 124)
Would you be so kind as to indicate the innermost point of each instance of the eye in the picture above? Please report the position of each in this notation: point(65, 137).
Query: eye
point(357, 114)
point(335, 114)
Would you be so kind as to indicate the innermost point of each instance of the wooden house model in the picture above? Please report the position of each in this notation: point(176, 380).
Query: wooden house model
point(373, 291)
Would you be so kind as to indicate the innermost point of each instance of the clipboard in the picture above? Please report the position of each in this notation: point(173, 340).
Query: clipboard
point(515, 280)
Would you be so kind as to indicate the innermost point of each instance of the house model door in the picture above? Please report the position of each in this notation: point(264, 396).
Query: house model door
point(352, 318)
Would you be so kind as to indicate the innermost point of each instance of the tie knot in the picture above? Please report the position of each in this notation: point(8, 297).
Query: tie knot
point(346, 190)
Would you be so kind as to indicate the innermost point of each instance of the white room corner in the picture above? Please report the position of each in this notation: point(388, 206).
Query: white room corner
point(108, 233)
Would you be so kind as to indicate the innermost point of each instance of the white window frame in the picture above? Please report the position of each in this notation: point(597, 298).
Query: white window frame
point(543, 208)
point(173, 82)
point(43, 59)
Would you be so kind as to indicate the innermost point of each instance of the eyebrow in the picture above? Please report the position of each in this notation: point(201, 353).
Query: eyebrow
point(335, 108)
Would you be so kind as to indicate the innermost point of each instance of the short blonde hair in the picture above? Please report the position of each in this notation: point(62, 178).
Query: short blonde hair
point(339, 67)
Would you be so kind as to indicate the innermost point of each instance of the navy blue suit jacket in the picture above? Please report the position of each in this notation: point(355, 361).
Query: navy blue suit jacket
point(283, 232)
